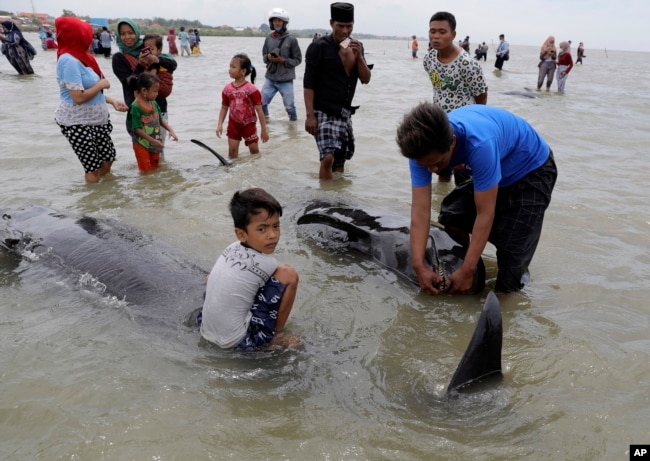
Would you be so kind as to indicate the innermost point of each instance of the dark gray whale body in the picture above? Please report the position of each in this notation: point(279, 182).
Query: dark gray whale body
point(164, 287)
point(156, 279)
point(526, 93)
point(386, 238)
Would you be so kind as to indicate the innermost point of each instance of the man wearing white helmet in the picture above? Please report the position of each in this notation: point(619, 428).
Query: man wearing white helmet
point(281, 54)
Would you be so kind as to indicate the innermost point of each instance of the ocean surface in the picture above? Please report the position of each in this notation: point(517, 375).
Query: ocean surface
point(81, 378)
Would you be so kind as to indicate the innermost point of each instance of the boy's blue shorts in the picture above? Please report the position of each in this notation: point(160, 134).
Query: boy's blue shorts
point(261, 328)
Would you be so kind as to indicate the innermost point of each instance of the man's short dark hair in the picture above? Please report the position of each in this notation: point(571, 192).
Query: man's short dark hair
point(250, 202)
point(444, 16)
point(425, 129)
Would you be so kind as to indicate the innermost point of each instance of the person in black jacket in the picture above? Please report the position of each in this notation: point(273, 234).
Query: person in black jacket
point(281, 54)
point(333, 64)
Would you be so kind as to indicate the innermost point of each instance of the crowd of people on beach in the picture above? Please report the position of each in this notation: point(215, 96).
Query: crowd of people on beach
point(502, 187)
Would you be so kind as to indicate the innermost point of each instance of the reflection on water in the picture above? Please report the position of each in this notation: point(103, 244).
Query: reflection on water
point(82, 379)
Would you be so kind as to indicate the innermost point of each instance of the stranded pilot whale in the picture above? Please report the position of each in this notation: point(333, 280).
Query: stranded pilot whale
point(386, 238)
point(155, 279)
point(527, 93)
point(162, 285)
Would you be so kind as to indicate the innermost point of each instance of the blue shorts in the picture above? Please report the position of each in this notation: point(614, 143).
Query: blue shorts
point(334, 136)
point(261, 328)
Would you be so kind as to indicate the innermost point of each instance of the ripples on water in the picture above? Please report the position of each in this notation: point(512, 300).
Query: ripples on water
point(83, 378)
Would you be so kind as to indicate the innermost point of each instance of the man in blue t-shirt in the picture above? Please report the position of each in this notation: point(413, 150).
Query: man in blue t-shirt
point(512, 177)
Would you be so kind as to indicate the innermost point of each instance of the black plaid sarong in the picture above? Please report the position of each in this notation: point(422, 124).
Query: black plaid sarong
point(334, 136)
point(518, 220)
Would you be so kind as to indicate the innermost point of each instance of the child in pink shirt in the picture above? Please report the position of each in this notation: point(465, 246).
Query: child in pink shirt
point(244, 101)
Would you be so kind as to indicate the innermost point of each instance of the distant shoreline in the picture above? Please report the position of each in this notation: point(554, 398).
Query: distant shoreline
point(210, 31)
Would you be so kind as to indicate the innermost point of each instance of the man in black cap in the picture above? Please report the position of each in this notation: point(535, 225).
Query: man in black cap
point(333, 64)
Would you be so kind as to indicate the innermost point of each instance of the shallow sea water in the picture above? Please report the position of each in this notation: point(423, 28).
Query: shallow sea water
point(82, 378)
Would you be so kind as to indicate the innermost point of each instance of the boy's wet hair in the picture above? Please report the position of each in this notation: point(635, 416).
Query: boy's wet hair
point(246, 64)
point(444, 16)
point(424, 130)
point(158, 40)
point(144, 80)
point(250, 202)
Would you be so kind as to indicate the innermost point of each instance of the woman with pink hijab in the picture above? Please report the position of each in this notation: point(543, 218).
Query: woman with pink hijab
point(564, 66)
point(171, 39)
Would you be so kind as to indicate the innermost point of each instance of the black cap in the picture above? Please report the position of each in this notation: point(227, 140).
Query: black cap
point(342, 12)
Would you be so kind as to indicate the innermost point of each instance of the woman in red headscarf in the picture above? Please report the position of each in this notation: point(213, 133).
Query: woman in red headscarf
point(82, 114)
point(171, 39)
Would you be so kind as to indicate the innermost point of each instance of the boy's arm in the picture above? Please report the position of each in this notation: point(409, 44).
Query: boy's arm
point(262, 119)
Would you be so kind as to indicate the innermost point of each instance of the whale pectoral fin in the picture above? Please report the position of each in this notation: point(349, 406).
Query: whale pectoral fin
point(223, 161)
point(482, 358)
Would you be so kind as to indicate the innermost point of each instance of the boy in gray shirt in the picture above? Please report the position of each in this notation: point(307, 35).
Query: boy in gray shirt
point(249, 295)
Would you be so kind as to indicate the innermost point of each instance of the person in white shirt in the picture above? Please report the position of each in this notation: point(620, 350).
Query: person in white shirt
point(249, 296)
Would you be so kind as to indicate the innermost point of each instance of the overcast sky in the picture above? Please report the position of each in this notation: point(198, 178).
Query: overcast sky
point(610, 24)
